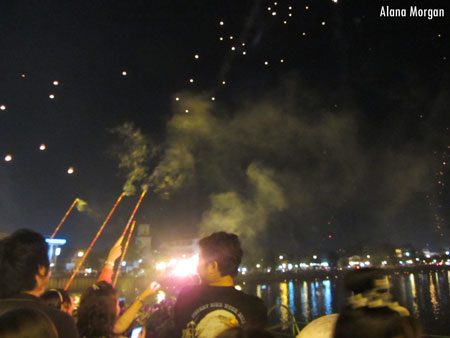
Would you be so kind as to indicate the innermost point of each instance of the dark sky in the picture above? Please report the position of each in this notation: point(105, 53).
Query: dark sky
point(343, 133)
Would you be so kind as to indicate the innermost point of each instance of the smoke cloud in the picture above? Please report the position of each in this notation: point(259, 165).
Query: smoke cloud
point(287, 163)
point(246, 217)
point(133, 152)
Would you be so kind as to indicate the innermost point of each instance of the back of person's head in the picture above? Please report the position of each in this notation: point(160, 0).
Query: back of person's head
point(239, 332)
point(362, 280)
point(22, 254)
point(98, 311)
point(380, 322)
point(26, 323)
point(224, 248)
point(56, 298)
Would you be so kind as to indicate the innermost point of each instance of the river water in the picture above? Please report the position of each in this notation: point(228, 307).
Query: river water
point(426, 295)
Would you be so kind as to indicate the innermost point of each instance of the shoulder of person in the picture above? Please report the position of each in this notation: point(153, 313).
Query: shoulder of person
point(188, 293)
point(64, 323)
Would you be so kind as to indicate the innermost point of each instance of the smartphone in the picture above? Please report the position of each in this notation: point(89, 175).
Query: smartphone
point(136, 332)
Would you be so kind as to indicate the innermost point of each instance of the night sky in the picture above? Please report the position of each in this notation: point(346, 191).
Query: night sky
point(297, 124)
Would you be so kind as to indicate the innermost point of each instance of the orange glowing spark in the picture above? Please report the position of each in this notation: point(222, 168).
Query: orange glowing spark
point(124, 253)
point(93, 242)
point(70, 171)
point(42, 147)
point(64, 218)
point(8, 158)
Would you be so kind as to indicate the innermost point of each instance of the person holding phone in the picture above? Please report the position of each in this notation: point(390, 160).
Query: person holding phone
point(99, 310)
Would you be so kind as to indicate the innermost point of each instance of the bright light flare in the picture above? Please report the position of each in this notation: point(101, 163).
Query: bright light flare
point(55, 83)
point(70, 171)
point(185, 267)
point(161, 266)
point(3, 107)
point(51, 96)
point(160, 296)
point(124, 73)
point(42, 147)
point(8, 158)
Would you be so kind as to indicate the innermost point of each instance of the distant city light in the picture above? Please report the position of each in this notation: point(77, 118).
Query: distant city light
point(56, 241)
point(281, 257)
point(80, 253)
point(57, 251)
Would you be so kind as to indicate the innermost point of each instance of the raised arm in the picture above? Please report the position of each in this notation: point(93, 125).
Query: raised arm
point(125, 320)
point(108, 269)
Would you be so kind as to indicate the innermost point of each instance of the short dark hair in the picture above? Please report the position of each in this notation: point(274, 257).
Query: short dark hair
point(97, 311)
point(21, 254)
point(362, 280)
point(224, 248)
point(26, 322)
point(56, 298)
point(368, 322)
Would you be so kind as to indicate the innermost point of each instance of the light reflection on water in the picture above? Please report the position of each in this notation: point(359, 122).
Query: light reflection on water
point(327, 297)
point(434, 301)
point(425, 295)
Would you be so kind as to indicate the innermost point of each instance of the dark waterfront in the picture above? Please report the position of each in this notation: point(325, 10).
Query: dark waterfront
point(426, 295)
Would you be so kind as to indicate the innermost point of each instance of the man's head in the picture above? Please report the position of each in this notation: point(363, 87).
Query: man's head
point(220, 256)
point(24, 263)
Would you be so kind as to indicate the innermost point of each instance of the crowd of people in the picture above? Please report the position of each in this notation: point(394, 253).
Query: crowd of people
point(213, 309)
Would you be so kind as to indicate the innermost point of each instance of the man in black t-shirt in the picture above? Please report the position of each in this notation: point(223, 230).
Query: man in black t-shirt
point(24, 275)
point(205, 310)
